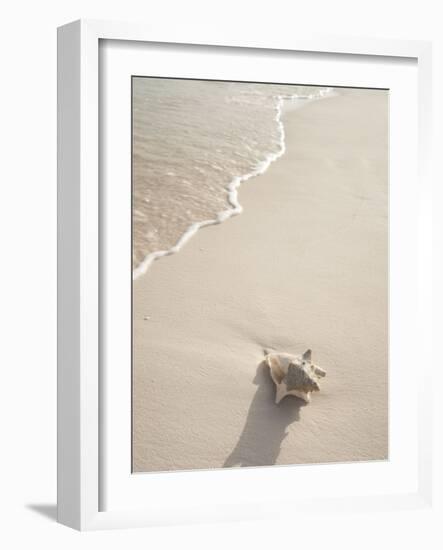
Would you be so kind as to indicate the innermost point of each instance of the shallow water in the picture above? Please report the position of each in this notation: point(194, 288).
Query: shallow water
point(194, 142)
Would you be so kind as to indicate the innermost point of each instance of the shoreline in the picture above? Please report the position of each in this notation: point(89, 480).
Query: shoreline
point(232, 189)
point(304, 266)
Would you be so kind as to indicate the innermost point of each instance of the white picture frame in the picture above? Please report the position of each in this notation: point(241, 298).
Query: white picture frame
point(80, 411)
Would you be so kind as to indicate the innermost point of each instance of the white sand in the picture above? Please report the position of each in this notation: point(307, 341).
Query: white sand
point(305, 265)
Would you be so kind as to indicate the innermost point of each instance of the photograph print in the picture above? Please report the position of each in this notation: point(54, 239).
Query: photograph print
point(260, 261)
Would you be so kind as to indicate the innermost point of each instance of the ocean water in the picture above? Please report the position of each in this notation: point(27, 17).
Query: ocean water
point(194, 143)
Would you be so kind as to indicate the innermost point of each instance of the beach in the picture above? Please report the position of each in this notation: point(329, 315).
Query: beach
point(305, 265)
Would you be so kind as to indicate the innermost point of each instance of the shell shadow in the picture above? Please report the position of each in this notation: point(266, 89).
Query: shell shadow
point(266, 425)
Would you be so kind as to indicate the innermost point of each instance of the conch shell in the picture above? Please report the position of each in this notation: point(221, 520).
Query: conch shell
point(294, 374)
